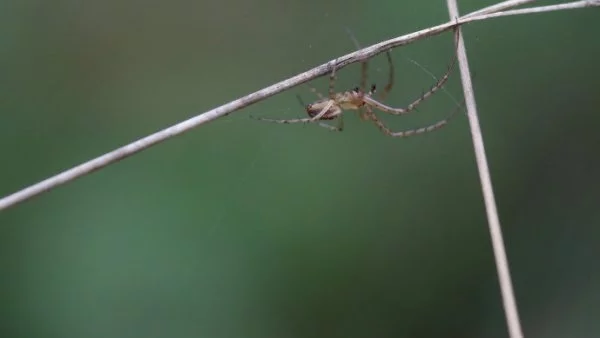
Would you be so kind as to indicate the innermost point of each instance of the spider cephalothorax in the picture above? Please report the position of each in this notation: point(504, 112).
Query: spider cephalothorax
point(333, 106)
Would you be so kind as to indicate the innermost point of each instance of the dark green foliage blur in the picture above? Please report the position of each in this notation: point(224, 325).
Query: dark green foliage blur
point(242, 228)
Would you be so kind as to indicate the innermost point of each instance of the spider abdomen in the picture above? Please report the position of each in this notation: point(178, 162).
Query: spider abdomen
point(316, 108)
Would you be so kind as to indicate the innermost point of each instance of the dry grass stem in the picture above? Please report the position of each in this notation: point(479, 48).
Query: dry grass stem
point(500, 7)
point(506, 289)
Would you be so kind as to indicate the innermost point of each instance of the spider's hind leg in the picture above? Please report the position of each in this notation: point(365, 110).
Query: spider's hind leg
point(411, 132)
point(332, 128)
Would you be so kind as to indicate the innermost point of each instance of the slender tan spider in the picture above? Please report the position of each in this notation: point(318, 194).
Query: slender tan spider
point(332, 107)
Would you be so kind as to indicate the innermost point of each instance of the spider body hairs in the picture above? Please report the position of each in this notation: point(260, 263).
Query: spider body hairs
point(333, 106)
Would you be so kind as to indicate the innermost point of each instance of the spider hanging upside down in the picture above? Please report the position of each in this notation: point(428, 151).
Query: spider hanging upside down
point(358, 99)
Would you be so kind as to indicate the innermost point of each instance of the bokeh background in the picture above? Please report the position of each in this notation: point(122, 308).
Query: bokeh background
point(242, 228)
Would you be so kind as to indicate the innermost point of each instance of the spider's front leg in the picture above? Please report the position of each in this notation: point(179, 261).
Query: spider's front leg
point(390, 84)
point(437, 86)
point(401, 111)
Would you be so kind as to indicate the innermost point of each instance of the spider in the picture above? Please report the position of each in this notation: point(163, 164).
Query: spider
point(332, 107)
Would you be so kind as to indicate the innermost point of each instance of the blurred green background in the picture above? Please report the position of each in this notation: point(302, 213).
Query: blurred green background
point(242, 228)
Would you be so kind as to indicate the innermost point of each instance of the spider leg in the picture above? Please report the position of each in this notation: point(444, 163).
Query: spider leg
point(303, 120)
point(306, 120)
point(411, 132)
point(316, 92)
point(363, 115)
point(332, 79)
point(364, 71)
point(363, 64)
point(390, 84)
point(364, 67)
point(299, 98)
point(339, 127)
point(438, 85)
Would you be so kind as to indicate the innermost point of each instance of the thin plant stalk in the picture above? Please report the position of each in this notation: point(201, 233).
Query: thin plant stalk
point(506, 289)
